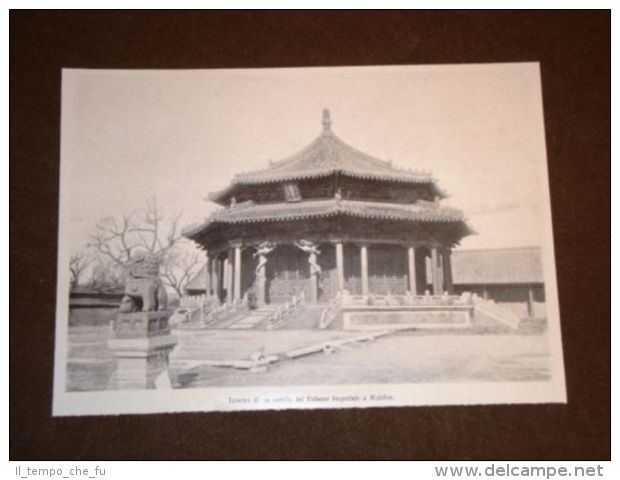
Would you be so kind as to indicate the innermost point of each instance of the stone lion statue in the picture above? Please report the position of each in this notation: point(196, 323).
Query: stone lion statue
point(144, 290)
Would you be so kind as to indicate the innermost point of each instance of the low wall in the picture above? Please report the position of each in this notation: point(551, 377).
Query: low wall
point(93, 308)
point(91, 316)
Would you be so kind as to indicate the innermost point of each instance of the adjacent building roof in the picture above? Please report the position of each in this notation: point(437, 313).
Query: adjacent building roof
point(497, 266)
point(325, 156)
point(248, 212)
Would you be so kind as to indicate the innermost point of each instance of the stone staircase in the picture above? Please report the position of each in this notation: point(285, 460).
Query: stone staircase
point(271, 317)
point(253, 318)
point(490, 309)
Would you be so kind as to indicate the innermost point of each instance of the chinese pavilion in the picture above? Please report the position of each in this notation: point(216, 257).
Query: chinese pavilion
point(326, 219)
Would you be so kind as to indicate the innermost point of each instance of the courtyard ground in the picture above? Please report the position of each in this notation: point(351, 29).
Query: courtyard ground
point(408, 356)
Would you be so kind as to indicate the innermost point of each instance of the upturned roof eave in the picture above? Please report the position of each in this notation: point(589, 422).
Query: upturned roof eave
point(219, 195)
point(260, 178)
point(332, 209)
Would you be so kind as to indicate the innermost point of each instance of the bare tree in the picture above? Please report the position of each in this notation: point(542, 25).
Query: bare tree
point(179, 268)
point(116, 239)
point(107, 275)
point(78, 262)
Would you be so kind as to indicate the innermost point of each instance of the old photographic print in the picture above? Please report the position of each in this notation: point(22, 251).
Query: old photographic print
point(304, 238)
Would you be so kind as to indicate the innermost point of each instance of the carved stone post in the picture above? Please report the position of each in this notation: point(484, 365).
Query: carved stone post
point(364, 264)
point(315, 270)
point(261, 285)
point(141, 340)
point(262, 251)
point(413, 287)
point(340, 266)
point(314, 279)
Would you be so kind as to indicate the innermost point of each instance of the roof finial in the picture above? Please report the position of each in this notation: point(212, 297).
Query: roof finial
point(327, 121)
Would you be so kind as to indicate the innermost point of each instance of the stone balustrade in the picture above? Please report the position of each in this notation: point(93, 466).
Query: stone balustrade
point(329, 313)
point(348, 299)
point(283, 312)
point(221, 311)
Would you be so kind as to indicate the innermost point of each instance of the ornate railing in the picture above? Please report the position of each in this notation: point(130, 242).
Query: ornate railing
point(193, 301)
point(330, 312)
point(197, 306)
point(278, 317)
point(404, 300)
point(204, 311)
point(222, 311)
point(344, 299)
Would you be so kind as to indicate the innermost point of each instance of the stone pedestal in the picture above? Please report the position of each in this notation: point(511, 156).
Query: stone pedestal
point(141, 343)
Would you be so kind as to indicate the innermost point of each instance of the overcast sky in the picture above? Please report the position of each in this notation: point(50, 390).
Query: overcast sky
point(177, 135)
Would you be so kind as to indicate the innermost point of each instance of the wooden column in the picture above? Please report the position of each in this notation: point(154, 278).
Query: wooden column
point(207, 275)
point(442, 287)
point(447, 270)
point(340, 266)
point(435, 269)
point(364, 264)
point(237, 275)
point(413, 287)
point(215, 277)
point(228, 275)
point(530, 301)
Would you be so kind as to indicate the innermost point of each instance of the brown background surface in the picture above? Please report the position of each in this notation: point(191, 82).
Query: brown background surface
point(574, 51)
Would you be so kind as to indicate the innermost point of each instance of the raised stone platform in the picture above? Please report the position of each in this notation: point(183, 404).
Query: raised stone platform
point(364, 312)
point(396, 317)
point(141, 343)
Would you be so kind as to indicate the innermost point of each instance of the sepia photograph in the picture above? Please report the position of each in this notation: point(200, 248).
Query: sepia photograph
point(252, 239)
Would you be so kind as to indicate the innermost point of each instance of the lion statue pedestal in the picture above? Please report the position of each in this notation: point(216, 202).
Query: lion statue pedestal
point(141, 340)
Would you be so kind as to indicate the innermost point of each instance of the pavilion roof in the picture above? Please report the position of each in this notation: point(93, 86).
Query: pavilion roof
point(249, 212)
point(327, 155)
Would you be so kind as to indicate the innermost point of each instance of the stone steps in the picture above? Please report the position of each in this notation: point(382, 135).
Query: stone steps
point(252, 319)
point(488, 308)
